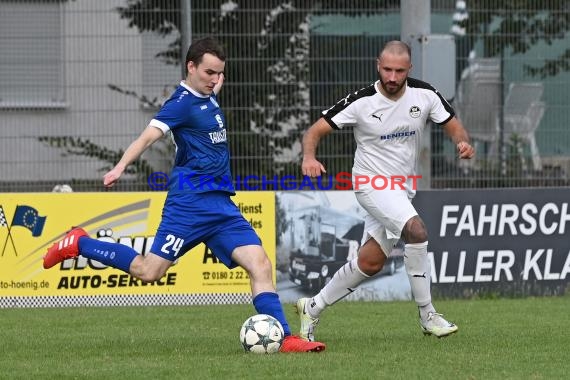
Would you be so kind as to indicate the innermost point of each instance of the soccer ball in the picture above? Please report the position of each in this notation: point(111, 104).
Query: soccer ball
point(261, 334)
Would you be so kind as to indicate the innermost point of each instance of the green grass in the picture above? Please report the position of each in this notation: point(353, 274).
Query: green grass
point(497, 339)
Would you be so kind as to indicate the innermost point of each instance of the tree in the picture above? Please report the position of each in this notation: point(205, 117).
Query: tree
point(267, 42)
point(514, 26)
point(77, 146)
point(268, 45)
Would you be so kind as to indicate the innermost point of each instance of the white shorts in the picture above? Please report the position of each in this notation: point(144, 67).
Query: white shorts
point(388, 212)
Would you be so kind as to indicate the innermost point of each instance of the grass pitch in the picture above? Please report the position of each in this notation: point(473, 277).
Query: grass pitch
point(497, 339)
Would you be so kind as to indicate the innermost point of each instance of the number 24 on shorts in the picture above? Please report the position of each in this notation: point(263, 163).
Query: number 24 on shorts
point(172, 245)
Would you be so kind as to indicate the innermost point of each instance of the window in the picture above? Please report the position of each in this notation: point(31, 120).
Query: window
point(31, 54)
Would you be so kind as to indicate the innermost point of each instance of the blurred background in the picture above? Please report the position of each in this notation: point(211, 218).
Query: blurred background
point(80, 79)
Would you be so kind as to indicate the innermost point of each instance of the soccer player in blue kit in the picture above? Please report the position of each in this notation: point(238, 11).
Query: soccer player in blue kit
point(195, 211)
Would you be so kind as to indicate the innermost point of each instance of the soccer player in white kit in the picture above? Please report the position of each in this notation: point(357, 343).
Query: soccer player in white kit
point(388, 118)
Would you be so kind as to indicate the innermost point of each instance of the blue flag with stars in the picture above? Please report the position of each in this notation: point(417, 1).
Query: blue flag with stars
point(29, 217)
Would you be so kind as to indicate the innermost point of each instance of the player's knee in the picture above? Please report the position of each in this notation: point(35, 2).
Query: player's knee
point(415, 231)
point(370, 268)
point(371, 262)
point(262, 265)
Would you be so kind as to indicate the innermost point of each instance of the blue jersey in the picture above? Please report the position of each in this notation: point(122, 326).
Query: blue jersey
point(198, 129)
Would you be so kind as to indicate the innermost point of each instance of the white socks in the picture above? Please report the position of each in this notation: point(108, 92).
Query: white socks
point(419, 271)
point(349, 276)
point(344, 282)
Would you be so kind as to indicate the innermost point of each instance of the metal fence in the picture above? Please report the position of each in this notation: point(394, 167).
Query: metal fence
point(80, 79)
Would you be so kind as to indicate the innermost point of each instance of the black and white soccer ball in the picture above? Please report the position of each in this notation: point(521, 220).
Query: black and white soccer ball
point(261, 334)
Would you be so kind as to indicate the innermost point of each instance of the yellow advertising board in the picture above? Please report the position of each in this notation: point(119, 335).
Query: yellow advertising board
point(31, 222)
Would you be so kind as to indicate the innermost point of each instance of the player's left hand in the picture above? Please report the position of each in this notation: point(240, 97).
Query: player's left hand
point(465, 150)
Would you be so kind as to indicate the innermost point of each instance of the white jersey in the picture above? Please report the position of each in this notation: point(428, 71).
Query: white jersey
point(388, 133)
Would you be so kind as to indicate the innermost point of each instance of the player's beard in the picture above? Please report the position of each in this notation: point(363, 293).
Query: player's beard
point(392, 90)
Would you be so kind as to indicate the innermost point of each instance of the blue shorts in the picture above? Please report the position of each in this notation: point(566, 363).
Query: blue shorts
point(212, 218)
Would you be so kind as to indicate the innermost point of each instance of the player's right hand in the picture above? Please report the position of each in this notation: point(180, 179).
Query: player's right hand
point(111, 177)
point(218, 86)
point(312, 167)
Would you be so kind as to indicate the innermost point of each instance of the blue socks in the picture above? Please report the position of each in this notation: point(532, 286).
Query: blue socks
point(268, 303)
point(120, 256)
point(112, 254)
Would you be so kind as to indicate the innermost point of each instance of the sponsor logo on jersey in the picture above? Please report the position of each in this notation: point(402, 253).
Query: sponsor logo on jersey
point(415, 112)
point(396, 135)
point(218, 137)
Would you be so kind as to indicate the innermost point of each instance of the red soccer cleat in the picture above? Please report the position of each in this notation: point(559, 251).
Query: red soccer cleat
point(66, 248)
point(293, 343)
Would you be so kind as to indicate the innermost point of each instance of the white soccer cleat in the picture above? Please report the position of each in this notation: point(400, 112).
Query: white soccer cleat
point(308, 323)
point(436, 325)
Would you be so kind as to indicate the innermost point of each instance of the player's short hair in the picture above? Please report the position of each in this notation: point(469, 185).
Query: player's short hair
point(206, 45)
point(396, 47)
